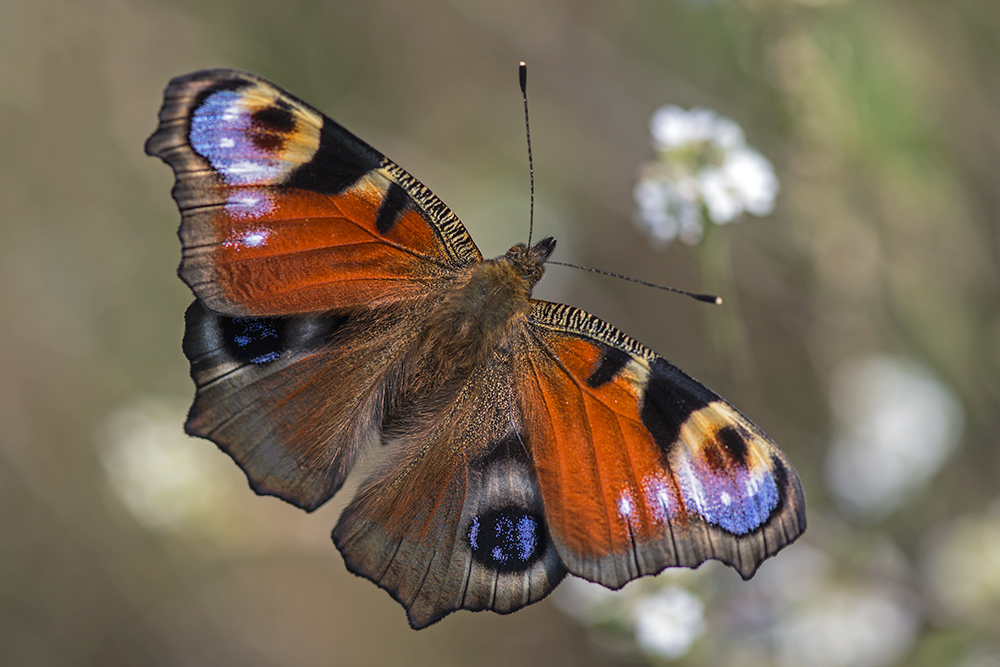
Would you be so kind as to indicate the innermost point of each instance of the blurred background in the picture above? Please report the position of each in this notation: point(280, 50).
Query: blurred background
point(837, 186)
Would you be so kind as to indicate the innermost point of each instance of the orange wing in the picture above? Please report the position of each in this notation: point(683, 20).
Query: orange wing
point(285, 212)
point(309, 253)
point(641, 467)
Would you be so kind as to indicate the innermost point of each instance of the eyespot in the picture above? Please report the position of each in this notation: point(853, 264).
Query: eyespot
point(254, 340)
point(508, 539)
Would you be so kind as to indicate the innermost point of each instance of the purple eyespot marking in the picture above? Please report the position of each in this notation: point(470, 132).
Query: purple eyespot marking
point(527, 537)
point(736, 498)
point(626, 505)
point(222, 132)
point(659, 496)
point(474, 534)
point(249, 204)
point(247, 238)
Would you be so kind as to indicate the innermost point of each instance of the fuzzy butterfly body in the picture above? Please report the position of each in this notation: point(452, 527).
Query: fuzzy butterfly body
point(341, 306)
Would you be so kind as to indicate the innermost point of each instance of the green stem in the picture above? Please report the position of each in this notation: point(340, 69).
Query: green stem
point(724, 324)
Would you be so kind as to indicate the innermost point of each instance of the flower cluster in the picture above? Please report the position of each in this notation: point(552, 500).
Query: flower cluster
point(704, 170)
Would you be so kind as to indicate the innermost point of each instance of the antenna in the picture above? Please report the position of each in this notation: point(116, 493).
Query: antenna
point(523, 76)
point(706, 298)
point(522, 72)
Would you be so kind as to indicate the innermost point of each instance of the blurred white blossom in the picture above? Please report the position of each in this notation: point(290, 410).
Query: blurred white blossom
point(804, 609)
point(704, 169)
point(186, 488)
point(814, 612)
point(169, 481)
point(896, 426)
point(587, 602)
point(848, 627)
point(668, 622)
point(664, 617)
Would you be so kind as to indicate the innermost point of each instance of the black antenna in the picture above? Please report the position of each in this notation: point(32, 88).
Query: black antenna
point(522, 72)
point(707, 298)
point(523, 75)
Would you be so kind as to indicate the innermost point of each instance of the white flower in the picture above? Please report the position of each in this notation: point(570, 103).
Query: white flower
point(665, 617)
point(170, 482)
point(673, 127)
point(668, 621)
point(665, 212)
point(705, 169)
point(897, 425)
point(752, 175)
point(156, 470)
point(720, 196)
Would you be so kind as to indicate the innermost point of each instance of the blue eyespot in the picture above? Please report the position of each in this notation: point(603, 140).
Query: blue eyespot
point(254, 340)
point(223, 131)
point(508, 539)
point(738, 500)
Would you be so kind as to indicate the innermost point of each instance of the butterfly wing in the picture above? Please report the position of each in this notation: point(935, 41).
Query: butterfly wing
point(641, 467)
point(309, 253)
point(286, 212)
point(294, 400)
point(454, 518)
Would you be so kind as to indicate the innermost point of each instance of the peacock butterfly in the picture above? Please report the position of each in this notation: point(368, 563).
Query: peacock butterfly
point(340, 305)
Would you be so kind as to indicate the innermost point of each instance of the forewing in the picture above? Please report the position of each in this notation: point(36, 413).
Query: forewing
point(640, 466)
point(286, 212)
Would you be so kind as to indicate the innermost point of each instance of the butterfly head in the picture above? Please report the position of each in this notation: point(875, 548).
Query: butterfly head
point(530, 259)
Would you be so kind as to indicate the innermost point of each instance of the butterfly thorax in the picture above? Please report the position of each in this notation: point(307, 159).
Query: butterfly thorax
point(474, 318)
point(478, 310)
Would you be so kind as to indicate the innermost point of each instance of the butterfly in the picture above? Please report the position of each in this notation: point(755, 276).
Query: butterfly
point(342, 309)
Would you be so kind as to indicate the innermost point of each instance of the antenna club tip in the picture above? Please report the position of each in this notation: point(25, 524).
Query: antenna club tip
point(705, 298)
point(522, 73)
